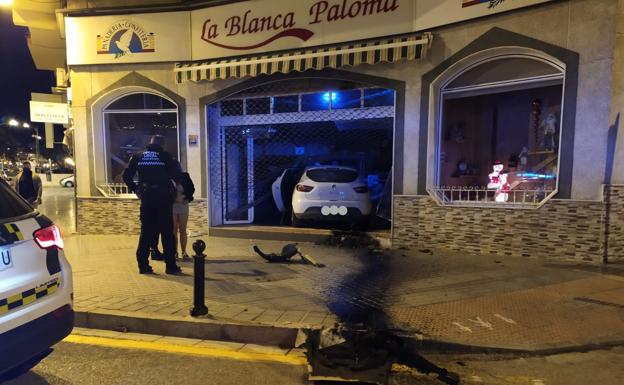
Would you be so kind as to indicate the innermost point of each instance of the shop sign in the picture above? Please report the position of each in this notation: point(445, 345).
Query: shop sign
point(125, 38)
point(250, 27)
point(260, 26)
point(139, 38)
point(46, 112)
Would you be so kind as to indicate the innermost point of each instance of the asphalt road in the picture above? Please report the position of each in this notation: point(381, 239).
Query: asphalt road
point(81, 364)
point(88, 363)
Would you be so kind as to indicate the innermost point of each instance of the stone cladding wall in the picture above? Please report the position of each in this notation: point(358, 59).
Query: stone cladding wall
point(614, 198)
point(561, 228)
point(121, 216)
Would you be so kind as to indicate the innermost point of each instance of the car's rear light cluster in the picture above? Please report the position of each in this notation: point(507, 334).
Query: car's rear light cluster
point(361, 189)
point(48, 237)
point(304, 188)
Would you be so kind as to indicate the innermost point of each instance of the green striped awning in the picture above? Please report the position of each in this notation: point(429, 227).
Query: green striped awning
point(399, 48)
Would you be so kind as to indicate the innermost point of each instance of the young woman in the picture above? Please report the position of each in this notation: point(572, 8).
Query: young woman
point(184, 195)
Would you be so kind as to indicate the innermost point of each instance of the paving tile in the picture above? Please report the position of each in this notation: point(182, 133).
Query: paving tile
point(229, 312)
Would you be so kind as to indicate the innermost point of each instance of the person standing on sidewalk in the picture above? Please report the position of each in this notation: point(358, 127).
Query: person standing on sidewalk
point(185, 190)
point(158, 176)
point(28, 185)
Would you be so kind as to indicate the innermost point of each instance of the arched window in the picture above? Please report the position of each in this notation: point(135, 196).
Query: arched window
point(129, 122)
point(498, 132)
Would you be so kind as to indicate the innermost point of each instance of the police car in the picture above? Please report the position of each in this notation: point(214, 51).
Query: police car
point(36, 299)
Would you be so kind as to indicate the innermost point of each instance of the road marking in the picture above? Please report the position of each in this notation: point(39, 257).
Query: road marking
point(481, 323)
point(192, 350)
point(508, 320)
point(462, 327)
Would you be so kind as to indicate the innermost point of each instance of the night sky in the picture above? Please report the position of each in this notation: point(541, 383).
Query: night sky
point(18, 74)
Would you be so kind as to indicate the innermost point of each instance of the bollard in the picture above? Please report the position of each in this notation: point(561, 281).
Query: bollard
point(199, 307)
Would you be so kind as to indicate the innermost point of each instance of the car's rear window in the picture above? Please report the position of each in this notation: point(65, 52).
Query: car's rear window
point(332, 175)
point(11, 205)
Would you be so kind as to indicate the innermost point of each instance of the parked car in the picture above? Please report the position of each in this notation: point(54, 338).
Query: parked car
point(36, 307)
point(69, 181)
point(331, 193)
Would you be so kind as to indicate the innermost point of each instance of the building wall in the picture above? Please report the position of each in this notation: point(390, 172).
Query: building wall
point(88, 83)
point(573, 229)
point(568, 24)
point(121, 216)
point(561, 229)
point(615, 221)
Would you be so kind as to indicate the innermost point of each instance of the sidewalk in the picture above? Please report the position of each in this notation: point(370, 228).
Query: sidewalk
point(471, 301)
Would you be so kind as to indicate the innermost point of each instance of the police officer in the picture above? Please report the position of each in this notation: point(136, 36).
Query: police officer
point(157, 174)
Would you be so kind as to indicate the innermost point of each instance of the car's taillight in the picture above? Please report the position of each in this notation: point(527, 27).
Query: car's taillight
point(361, 189)
point(304, 188)
point(49, 237)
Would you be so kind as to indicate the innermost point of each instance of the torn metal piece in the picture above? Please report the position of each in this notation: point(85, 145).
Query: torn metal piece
point(288, 251)
point(310, 260)
point(330, 337)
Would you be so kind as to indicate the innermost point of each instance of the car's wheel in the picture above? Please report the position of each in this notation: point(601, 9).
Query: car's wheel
point(69, 184)
point(296, 222)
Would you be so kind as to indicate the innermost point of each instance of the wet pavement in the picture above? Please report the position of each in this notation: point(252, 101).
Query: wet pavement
point(59, 205)
point(485, 301)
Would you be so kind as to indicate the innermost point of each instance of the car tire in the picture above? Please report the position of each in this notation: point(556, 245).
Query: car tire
point(294, 221)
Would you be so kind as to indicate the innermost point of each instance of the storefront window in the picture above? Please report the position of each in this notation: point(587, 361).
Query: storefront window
point(499, 135)
point(129, 123)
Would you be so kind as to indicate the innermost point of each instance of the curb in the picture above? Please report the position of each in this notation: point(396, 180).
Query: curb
point(285, 337)
point(203, 328)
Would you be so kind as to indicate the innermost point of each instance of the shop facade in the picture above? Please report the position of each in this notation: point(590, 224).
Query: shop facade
point(423, 99)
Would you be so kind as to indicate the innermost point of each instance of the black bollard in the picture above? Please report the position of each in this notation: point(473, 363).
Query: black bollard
point(199, 307)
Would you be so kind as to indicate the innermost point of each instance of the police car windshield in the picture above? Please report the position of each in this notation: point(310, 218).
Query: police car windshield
point(11, 205)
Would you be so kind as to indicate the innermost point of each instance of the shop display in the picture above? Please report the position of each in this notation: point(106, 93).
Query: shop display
point(549, 130)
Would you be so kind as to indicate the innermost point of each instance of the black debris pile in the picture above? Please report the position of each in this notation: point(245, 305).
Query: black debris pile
point(288, 251)
point(356, 353)
point(351, 240)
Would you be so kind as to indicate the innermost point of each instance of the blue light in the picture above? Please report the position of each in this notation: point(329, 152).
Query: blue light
point(532, 175)
point(328, 95)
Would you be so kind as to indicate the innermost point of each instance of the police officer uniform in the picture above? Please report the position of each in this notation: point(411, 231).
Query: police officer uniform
point(157, 173)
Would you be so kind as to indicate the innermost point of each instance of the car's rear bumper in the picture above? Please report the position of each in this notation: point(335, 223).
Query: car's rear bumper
point(314, 213)
point(28, 341)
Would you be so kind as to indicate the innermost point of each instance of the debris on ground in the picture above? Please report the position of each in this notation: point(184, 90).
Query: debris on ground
point(351, 240)
point(356, 353)
point(288, 251)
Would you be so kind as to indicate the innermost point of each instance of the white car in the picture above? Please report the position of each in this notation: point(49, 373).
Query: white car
point(36, 298)
point(331, 193)
point(68, 181)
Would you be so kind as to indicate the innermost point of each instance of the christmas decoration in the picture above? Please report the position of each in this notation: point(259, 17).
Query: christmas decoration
point(498, 181)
